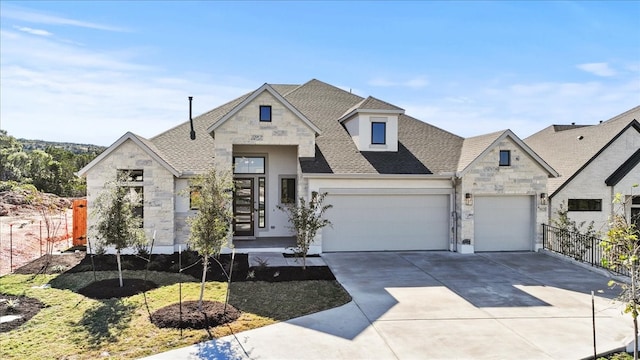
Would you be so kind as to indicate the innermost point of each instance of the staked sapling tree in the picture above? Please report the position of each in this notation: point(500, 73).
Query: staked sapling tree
point(211, 226)
point(305, 219)
point(117, 224)
point(622, 253)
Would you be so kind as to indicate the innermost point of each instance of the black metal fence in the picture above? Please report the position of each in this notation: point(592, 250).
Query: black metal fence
point(580, 247)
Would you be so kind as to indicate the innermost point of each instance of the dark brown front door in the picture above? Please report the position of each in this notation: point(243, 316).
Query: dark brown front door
point(243, 207)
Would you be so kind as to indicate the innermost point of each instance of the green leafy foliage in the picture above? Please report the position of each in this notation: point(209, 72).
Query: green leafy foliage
point(622, 251)
point(570, 244)
point(116, 223)
point(211, 226)
point(48, 166)
point(305, 219)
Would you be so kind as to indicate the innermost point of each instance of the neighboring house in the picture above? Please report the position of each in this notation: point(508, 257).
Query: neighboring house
point(595, 163)
point(395, 183)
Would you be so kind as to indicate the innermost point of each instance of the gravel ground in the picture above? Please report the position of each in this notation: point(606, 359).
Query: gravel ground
point(23, 238)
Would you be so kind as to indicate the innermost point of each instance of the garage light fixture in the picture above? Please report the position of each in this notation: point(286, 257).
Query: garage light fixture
point(543, 199)
point(468, 199)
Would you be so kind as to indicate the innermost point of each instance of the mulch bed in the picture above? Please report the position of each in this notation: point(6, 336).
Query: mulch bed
point(192, 265)
point(170, 315)
point(285, 273)
point(213, 314)
point(51, 264)
point(23, 306)
point(110, 288)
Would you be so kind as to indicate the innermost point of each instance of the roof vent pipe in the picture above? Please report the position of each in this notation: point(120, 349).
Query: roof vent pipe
point(193, 132)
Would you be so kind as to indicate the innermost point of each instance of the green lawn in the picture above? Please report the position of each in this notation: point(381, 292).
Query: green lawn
point(75, 327)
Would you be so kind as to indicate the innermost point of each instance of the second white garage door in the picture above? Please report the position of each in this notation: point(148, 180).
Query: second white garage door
point(387, 222)
point(503, 223)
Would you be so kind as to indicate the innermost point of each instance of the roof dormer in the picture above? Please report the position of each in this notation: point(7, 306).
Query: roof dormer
point(373, 125)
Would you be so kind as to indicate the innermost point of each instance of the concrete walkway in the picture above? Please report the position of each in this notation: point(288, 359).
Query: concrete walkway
point(441, 305)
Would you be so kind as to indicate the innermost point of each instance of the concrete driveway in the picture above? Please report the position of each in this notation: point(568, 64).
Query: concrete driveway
point(442, 305)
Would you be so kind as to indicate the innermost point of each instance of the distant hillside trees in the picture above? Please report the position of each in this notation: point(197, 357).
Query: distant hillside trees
point(51, 170)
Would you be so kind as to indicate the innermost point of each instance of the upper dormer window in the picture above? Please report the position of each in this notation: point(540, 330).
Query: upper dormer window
point(378, 133)
point(505, 158)
point(265, 113)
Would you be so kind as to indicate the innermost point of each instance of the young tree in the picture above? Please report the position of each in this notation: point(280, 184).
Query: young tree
point(211, 226)
point(622, 252)
point(117, 224)
point(306, 218)
point(52, 217)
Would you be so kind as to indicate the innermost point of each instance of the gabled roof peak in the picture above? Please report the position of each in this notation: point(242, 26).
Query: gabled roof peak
point(476, 147)
point(268, 88)
point(371, 105)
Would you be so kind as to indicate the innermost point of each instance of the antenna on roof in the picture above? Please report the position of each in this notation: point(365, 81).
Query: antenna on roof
point(193, 132)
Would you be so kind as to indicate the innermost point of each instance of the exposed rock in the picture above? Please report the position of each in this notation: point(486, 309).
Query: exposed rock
point(20, 201)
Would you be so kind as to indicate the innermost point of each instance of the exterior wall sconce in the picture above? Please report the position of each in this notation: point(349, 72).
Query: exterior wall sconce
point(468, 199)
point(543, 199)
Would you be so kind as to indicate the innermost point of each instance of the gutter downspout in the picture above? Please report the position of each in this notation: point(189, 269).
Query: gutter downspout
point(454, 215)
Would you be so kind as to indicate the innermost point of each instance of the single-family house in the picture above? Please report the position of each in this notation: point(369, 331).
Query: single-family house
point(595, 163)
point(395, 182)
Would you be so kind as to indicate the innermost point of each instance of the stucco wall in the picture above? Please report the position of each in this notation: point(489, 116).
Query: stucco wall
point(589, 183)
point(523, 177)
point(280, 160)
point(158, 190)
point(359, 128)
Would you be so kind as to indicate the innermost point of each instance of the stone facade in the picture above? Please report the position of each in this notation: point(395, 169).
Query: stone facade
point(158, 187)
point(523, 177)
point(245, 128)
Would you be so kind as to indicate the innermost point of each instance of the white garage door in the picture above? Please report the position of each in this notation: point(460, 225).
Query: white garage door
point(503, 223)
point(387, 222)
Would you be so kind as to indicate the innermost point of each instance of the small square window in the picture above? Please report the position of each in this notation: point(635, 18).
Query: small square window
point(505, 157)
point(265, 113)
point(378, 133)
point(287, 190)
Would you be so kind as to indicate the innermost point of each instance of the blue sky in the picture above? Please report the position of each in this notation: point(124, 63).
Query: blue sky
point(90, 71)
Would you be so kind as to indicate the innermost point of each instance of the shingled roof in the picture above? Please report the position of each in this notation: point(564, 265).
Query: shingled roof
point(422, 148)
point(569, 148)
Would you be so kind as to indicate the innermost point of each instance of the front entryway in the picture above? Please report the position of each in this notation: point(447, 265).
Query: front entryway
point(243, 224)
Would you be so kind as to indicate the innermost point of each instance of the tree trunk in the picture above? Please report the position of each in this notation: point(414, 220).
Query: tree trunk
point(635, 338)
point(634, 314)
point(205, 264)
point(119, 266)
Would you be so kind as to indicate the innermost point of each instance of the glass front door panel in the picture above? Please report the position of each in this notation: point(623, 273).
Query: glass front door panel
point(243, 207)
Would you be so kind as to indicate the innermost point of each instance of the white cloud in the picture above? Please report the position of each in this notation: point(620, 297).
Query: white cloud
point(33, 31)
point(599, 69)
point(526, 108)
point(55, 91)
point(417, 82)
point(17, 13)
